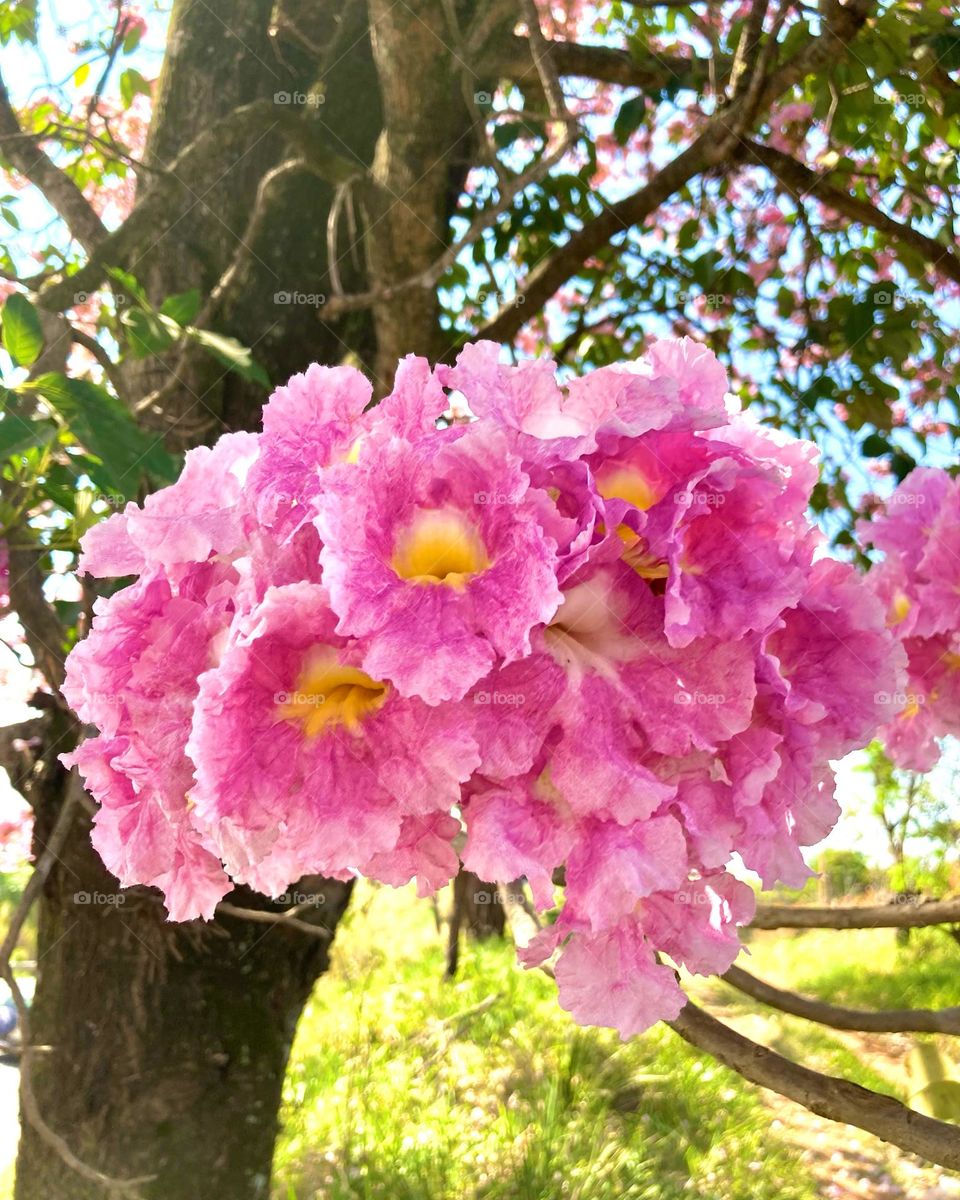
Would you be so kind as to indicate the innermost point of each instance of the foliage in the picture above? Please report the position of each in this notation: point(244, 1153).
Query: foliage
point(917, 813)
point(845, 872)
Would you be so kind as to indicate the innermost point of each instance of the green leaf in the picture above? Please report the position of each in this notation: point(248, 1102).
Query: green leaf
point(18, 19)
point(232, 354)
point(946, 46)
point(182, 307)
point(505, 133)
point(132, 40)
point(132, 84)
point(18, 432)
point(121, 453)
point(631, 114)
point(22, 335)
point(147, 332)
point(875, 446)
point(130, 285)
point(902, 464)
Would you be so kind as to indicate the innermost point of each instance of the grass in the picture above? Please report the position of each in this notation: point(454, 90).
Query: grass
point(830, 964)
point(407, 1087)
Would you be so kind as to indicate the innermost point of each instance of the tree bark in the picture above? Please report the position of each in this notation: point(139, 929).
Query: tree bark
point(165, 1045)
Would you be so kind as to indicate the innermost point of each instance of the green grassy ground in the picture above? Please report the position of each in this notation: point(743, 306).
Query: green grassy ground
point(406, 1087)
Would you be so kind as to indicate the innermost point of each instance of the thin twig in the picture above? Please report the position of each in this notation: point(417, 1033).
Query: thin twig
point(289, 918)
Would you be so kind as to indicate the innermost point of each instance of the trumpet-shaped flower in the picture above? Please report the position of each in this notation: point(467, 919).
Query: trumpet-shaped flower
point(435, 555)
point(568, 631)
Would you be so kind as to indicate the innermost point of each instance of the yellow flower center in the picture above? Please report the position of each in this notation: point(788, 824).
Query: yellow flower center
point(328, 694)
point(619, 481)
point(636, 555)
point(439, 546)
point(899, 608)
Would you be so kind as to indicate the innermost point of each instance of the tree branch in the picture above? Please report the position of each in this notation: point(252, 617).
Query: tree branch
point(836, 1099)
point(547, 278)
point(801, 181)
point(895, 1020)
point(291, 918)
point(41, 625)
point(510, 58)
point(719, 143)
point(905, 915)
point(31, 160)
point(15, 758)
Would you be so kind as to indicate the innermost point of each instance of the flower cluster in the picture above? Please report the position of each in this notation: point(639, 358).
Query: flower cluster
point(589, 625)
point(918, 583)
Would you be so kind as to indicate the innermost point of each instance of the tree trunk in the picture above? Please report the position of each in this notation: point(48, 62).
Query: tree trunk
point(164, 1045)
point(476, 910)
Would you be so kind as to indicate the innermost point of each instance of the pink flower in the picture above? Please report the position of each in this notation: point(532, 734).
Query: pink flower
point(434, 553)
point(580, 624)
point(312, 421)
point(289, 711)
point(918, 584)
point(136, 677)
point(613, 979)
point(203, 513)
